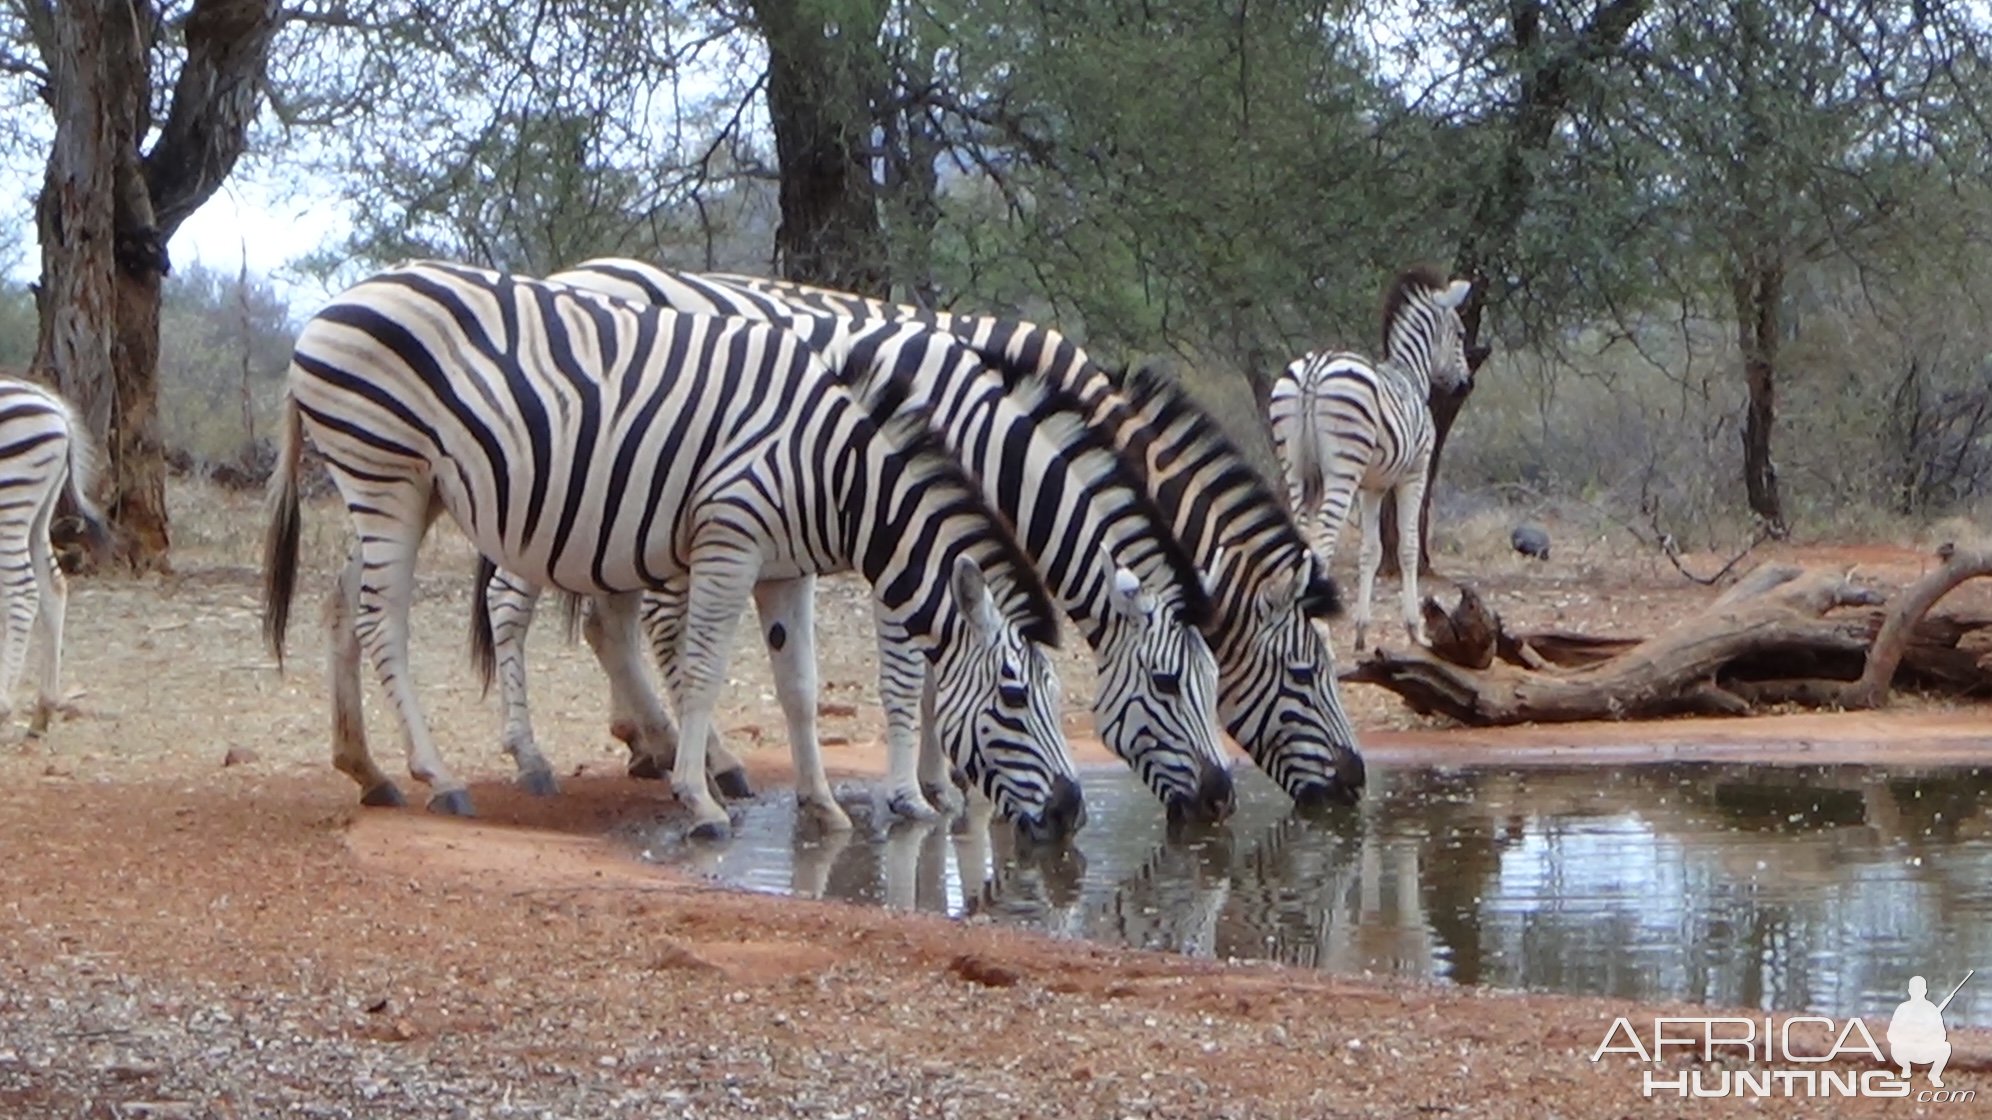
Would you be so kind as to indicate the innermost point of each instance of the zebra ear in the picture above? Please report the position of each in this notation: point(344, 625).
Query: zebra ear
point(971, 594)
point(1455, 293)
point(1279, 594)
point(1214, 574)
point(1127, 596)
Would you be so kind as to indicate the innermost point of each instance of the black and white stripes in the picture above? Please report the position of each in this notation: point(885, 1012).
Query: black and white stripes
point(1105, 551)
point(44, 453)
point(1277, 694)
point(1347, 429)
point(603, 448)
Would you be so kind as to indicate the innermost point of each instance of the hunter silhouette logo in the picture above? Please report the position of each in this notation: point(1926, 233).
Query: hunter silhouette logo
point(1916, 1034)
point(1797, 1056)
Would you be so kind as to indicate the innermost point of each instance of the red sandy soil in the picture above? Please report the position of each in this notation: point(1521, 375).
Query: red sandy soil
point(180, 938)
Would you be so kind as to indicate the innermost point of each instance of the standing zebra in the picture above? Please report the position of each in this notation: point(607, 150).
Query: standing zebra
point(1345, 429)
point(44, 454)
point(1276, 676)
point(1104, 549)
point(604, 448)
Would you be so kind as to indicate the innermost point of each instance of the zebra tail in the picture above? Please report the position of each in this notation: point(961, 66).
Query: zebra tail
point(570, 613)
point(483, 647)
point(280, 539)
point(1307, 444)
point(82, 480)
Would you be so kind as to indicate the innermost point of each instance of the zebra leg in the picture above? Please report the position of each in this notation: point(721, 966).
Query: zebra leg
point(1372, 555)
point(509, 604)
point(636, 716)
point(54, 591)
point(387, 590)
point(721, 584)
point(342, 672)
point(613, 633)
point(1341, 485)
point(788, 625)
point(664, 625)
point(937, 773)
point(902, 675)
point(1410, 497)
point(20, 601)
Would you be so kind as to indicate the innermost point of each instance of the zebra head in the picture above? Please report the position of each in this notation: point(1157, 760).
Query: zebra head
point(994, 703)
point(1285, 710)
point(1422, 330)
point(1157, 690)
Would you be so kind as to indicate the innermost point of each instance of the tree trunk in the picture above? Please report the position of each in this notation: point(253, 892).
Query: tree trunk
point(1544, 96)
point(93, 321)
point(1759, 289)
point(822, 82)
point(107, 211)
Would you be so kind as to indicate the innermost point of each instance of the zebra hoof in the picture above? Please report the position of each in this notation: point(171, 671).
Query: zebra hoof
point(910, 807)
point(721, 829)
point(944, 797)
point(453, 803)
point(383, 796)
point(539, 783)
point(827, 815)
point(733, 784)
point(648, 769)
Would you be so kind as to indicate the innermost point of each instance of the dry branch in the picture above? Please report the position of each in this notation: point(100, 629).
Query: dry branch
point(1903, 617)
point(1776, 612)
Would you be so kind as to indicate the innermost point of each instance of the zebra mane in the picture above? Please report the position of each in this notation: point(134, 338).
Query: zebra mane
point(1050, 404)
point(1149, 389)
point(908, 428)
point(1421, 277)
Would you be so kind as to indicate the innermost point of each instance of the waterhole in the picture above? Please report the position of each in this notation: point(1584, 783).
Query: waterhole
point(1819, 888)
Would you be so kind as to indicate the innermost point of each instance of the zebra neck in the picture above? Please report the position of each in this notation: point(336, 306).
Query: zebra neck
point(1410, 365)
point(900, 531)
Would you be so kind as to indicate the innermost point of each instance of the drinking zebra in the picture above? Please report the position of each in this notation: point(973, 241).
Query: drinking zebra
point(1348, 429)
point(1104, 549)
point(44, 454)
point(604, 448)
point(1276, 675)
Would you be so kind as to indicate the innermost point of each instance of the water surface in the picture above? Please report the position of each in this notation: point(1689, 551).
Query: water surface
point(1819, 887)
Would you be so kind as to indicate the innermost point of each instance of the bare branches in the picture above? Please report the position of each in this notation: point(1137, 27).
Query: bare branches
point(216, 97)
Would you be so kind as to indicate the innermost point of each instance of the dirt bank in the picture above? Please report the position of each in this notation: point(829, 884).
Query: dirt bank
point(181, 938)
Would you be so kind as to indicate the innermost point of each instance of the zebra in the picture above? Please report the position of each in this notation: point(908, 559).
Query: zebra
point(1345, 429)
point(602, 448)
point(1277, 692)
point(45, 455)
point(1155, 698)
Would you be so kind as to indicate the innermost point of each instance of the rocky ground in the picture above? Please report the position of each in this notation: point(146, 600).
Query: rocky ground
point(180, 937)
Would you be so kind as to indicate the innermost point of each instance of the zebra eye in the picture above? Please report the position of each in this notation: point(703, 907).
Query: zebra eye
point(1167, 684)
point(1013, 694)
point(1302, 673)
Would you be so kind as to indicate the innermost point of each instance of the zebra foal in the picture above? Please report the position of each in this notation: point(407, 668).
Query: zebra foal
point(605, 448)
point(44, 454)
point(1349, 430)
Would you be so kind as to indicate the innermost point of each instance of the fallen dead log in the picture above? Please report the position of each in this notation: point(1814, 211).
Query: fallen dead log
point(1773, 638)
point(1898, 629)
